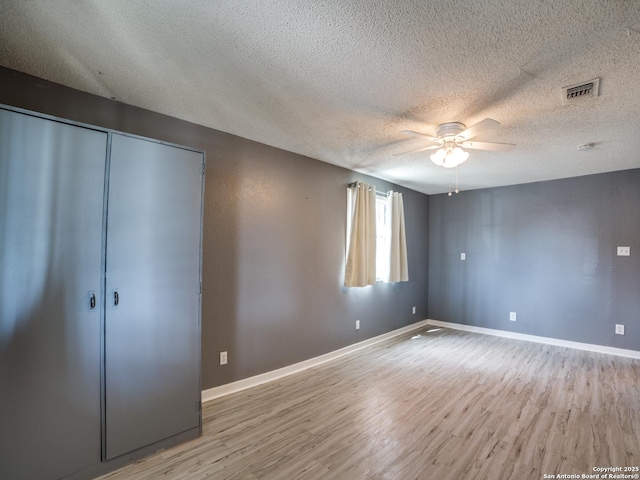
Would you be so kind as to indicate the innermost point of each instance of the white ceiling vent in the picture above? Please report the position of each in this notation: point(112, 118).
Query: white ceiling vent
point(580, 91)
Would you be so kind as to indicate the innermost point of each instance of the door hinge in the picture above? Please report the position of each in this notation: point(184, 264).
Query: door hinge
point(203, 168)
point(199, 287)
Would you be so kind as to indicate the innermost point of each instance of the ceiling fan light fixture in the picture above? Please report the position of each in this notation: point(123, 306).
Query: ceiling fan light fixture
point(449, 156)
point(438, 157)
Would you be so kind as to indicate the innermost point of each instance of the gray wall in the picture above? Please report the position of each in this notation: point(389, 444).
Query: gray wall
point(274, 240)
point(546, 251)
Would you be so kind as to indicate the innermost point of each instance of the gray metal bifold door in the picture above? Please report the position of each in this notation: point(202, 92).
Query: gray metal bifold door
point(51, 223)
point(152, 317)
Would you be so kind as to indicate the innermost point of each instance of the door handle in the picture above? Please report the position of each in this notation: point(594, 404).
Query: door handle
point(116, 298)
point(92, 300)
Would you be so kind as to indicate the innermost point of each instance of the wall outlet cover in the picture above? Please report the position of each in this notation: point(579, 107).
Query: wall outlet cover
point(512, 316)
point(624, 251)
point(413, 311)
point(619, 329)
point(357, 324)
point(463, 256)
point(223, 358)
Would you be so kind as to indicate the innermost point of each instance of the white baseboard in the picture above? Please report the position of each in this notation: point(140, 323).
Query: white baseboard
point(222, 390)
point(621, 352)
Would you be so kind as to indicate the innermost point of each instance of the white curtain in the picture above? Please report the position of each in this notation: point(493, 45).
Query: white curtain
point(360, 270)
point(398, 268)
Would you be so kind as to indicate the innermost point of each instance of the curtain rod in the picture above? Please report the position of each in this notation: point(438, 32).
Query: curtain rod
point(384, 194)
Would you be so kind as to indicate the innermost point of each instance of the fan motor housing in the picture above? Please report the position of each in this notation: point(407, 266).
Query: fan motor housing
point(450, 129)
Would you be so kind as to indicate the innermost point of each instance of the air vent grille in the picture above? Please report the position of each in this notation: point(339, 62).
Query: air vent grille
point(580, 91)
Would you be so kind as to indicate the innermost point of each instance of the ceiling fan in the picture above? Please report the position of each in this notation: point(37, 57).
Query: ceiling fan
point(452, 137)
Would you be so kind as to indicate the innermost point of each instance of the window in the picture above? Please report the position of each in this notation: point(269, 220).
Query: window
point(382, 238)
point(380, 252)
point(383, 231)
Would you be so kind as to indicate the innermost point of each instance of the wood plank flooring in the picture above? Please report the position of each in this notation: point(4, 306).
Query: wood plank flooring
point(444, 405)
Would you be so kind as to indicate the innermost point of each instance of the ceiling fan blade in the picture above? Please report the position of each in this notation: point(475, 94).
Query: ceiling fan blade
point(431, 147)
point(496, 147)
point(423, 135)
point(480, 127)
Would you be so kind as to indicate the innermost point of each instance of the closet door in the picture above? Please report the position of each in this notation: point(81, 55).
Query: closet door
point(152, 326)
point(51, 222)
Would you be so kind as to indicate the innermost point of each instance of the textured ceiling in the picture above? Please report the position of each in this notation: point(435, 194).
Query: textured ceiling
point(338, 80)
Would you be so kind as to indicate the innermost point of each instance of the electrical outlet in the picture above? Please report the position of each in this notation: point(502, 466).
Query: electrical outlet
point(463, 256)
point(619, 329)
point(413, 311)
point(512, 316)
point(624, 251)
point(223, 358)
point(357, 324)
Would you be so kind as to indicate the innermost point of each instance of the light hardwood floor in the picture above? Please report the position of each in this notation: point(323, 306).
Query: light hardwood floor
point(444, 405)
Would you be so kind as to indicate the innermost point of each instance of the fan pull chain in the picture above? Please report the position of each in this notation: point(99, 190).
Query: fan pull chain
point(457, 191)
